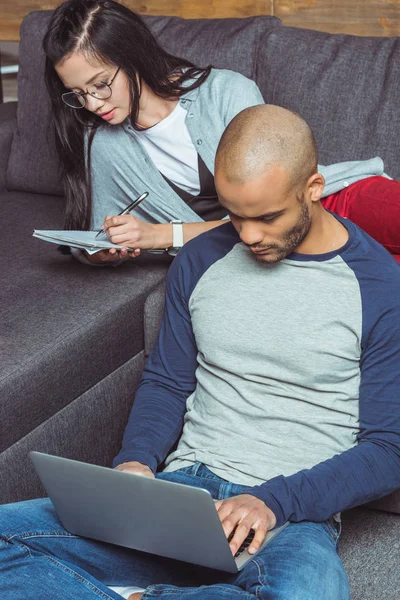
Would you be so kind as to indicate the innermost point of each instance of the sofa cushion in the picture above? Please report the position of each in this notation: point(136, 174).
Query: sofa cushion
point(89, 429)
point(345, 86)
point(225, 43)
point(8, 125)
point(390, 503)
point(64, 326)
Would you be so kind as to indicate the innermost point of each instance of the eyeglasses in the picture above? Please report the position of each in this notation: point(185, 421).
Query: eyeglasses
point(100, 91)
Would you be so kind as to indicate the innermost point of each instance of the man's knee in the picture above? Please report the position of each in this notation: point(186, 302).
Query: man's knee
point(302, 563)
point(32, 515)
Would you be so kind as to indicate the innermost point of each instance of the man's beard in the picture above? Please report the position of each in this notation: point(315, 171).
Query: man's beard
point(290, 239)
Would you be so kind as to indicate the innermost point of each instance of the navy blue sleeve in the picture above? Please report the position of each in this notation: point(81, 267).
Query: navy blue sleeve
point(156, 418)
point(371, 469)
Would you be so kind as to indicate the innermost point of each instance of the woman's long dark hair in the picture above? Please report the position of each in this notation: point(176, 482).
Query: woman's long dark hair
point(110, 32)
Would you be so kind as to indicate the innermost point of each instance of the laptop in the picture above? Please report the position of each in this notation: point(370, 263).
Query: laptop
point(151, 515)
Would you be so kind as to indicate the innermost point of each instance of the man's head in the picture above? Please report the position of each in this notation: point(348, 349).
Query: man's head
point(266, 177)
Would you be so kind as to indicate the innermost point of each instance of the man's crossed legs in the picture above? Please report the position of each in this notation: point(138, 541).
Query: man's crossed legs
point(39, 560)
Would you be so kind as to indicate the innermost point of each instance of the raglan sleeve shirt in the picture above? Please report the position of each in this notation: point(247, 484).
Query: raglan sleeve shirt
point(368, 470)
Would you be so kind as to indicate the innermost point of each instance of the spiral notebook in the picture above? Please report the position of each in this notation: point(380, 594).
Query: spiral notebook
point(85, 240)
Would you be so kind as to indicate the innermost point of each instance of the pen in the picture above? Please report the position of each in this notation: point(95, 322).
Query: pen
point(131, 206)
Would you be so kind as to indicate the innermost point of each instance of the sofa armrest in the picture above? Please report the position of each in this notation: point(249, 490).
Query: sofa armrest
point(153, 313)
point(8, 124)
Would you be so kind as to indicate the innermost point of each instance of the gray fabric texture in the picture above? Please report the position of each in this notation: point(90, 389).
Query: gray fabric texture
point(304, 381)
point(63, 326)
point(370, 550)
point(1, 85)
point(89, 429)
point(226, 43)
point(8, 124)
point(345, 86)
point(153, 313)
point(390, 503)
point(33, 166)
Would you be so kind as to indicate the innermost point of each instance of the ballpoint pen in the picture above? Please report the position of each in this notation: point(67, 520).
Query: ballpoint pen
point(131, 206)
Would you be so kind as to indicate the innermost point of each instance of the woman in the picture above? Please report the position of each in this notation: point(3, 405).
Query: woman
point(129, 118)
point(153, 122)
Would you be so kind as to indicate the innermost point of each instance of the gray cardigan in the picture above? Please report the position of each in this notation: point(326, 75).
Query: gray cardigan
point(122, 169)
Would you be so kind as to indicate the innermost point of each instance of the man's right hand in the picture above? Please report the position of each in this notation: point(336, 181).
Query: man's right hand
point(136, 468)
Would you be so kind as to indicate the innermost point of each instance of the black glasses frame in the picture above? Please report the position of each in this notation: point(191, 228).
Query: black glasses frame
point(83, 94)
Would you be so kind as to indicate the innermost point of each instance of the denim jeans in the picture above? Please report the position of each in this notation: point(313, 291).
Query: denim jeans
point(40, 560)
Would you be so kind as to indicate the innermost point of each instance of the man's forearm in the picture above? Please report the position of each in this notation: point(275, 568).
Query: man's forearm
point(368, 471)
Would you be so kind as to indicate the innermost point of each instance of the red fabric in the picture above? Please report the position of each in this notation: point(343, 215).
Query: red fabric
point(374, 205)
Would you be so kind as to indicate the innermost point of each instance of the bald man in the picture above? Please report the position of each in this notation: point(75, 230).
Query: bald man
point(274, 383)
point(266, 176)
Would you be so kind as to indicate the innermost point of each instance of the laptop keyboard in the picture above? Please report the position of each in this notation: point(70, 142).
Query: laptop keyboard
point(245, 544)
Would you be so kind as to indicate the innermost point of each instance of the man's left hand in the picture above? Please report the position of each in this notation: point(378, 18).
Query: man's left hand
point(245, 512)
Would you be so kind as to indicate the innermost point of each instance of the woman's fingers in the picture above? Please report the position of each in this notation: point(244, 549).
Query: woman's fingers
point(129, 231)
point(120, 224)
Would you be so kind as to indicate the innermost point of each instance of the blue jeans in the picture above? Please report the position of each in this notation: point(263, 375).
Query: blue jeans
point(40, 560)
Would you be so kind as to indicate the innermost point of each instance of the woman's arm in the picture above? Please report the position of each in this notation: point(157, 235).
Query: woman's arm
point(129, 231)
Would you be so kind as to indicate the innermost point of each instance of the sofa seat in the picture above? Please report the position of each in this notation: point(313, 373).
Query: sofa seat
point(65, 326)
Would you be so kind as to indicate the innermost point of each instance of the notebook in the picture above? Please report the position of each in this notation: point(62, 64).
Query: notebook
point(85, 240)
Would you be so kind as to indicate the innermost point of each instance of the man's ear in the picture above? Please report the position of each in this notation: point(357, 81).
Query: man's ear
point(315, 187)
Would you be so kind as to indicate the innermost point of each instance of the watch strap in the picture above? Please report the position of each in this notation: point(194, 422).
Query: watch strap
point(177, 234)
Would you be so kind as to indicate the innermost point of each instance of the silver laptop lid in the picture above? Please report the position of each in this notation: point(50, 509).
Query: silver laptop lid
point(151, 515)
point(169, 519)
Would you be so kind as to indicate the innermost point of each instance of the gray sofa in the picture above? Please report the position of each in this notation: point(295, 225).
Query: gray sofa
point(73, 339)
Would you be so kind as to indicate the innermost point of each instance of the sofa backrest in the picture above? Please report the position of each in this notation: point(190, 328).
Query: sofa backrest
point(346, 87)
point(224, 43)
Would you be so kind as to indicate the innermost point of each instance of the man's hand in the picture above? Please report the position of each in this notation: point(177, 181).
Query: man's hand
point(245, 512)
point(136, 468)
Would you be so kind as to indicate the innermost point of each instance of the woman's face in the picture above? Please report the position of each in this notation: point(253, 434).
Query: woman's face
point(79, 75)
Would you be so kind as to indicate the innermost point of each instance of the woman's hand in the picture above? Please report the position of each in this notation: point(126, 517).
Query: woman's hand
point(111, 255)
point(127, 230)
point(137, 468)
point(241, 514)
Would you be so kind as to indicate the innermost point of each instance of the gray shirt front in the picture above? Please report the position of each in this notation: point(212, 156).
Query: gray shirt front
point(273, 366)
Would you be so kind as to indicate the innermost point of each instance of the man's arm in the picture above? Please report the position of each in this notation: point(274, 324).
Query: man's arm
point(156, 418)
point(367, 471)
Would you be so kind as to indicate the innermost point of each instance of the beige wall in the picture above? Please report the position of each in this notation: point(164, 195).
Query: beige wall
point(360, 17)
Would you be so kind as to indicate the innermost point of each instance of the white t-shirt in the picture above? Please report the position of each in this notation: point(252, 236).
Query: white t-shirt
point(171, 149)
